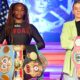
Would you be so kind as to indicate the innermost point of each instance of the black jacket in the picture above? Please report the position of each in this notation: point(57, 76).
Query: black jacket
point(19, 37)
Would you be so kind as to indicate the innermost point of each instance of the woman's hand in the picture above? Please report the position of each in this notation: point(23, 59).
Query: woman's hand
point(4, 43)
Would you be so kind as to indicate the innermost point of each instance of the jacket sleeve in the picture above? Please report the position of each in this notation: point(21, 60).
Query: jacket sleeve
point(37, 37)
point(66, 37)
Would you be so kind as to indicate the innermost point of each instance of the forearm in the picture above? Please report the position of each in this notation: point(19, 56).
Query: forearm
point(40, 45)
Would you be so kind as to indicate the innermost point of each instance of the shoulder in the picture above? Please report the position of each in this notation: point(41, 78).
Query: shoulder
point(68, 25)
point(69, 22)
point(32, 27)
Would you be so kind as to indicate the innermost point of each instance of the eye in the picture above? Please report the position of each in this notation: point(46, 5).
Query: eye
point(23, 10)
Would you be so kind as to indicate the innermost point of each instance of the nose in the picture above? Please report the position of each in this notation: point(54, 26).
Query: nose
point(20, 12)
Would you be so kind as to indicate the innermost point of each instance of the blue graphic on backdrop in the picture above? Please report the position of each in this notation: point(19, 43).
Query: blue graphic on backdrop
point(48, 16)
